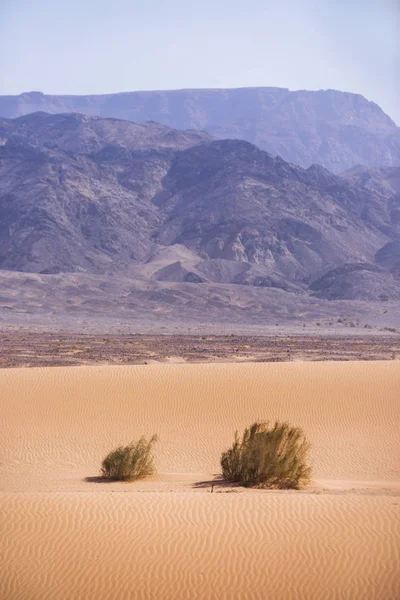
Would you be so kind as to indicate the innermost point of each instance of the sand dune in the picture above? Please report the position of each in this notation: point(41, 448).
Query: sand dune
point(59, 423)
point(64, 535)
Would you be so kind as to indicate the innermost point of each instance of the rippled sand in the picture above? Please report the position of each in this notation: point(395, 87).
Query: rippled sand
point(65, 535)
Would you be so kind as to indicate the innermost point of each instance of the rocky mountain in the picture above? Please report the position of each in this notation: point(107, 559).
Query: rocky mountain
point(385, 182)
point(354, 281)
point(75, 192)
point(335, 129)
point(187, 219)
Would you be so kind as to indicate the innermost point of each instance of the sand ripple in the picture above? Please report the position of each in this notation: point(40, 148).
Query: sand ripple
point(198, 546)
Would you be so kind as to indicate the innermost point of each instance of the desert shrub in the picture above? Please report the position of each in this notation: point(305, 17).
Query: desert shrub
point(268, 456)
point(127, 463)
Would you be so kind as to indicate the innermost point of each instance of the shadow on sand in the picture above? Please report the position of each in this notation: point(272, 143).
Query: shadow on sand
point(217, 484)
point(98, 479)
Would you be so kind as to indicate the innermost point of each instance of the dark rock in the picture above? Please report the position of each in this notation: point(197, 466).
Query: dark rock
point(361, 281)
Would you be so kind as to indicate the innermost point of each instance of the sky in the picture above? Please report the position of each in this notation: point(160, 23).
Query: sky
point(98, 46)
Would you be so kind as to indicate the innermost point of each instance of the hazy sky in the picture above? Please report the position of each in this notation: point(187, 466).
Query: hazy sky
point(98, 46)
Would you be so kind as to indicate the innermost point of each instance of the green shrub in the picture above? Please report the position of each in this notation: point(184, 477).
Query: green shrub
point(127, 463)
point(268, 456)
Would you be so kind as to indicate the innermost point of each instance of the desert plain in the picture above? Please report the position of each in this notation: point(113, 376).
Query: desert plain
point(66, 534)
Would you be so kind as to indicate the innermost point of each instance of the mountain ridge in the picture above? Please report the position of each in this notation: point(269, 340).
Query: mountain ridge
point(335, 129)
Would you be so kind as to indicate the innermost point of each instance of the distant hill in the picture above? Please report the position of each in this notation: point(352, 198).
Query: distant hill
point(335, 129)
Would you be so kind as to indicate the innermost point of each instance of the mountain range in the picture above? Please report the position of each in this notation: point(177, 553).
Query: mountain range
point(337, 130)
point(181, 222)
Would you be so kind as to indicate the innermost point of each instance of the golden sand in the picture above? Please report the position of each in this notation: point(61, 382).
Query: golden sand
point(64, 535)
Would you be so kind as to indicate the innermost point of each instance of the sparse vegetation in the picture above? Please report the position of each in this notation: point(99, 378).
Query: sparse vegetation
point(268, 456)
point(127, 463)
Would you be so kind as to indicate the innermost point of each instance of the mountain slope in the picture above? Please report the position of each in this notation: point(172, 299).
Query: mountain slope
point(352, 281)
point(246, 206)
point(385, 182)
point(335, 129)
point(73, 193)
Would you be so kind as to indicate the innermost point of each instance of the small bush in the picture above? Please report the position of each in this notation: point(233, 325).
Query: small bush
point(268, 456)
point(127, 463)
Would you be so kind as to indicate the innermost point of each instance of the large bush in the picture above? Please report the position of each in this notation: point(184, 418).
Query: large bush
point(127, 463)
point(268, 456)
